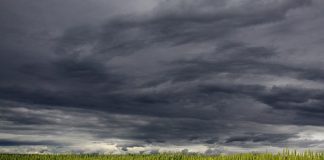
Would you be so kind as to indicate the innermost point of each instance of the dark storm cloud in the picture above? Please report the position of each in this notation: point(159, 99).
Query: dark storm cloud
point(26, 143)
point(126, 35)
point(173, 75)
point(120, 37)
point(271, 138)
point(239, 59)
point(236, 68)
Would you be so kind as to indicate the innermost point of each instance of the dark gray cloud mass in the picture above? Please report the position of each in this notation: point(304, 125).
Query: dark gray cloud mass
point(147, 76)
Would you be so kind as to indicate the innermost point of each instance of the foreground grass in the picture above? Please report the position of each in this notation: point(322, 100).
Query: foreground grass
point(249, 156)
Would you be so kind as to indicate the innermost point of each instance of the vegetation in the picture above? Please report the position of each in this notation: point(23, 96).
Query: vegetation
point(286, 155)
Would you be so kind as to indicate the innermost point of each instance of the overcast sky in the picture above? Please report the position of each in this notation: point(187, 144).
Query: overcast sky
point(148, 76)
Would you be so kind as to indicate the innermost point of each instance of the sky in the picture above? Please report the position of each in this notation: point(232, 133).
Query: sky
point(152, 76)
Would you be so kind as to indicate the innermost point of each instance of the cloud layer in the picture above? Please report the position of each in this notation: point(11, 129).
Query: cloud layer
point(145, 77)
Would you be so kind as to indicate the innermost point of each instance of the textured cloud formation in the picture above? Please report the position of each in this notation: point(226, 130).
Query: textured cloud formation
point(145, 77)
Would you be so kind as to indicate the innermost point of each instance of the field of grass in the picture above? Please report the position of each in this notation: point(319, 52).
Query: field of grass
point(249, 156)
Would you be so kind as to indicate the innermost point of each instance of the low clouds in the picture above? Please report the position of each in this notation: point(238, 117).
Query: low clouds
point(48, 129)
point(25, 143)
point(196, 75)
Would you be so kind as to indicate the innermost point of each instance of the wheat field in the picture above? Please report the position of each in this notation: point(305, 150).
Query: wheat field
point(286, 155)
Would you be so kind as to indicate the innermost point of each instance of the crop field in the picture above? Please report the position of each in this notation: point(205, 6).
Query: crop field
point(248, 156)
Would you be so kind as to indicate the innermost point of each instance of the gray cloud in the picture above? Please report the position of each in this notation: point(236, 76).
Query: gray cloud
point(24, 143)
point(174, 73)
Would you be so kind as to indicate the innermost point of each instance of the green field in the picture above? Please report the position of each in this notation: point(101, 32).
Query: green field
point(249, 156)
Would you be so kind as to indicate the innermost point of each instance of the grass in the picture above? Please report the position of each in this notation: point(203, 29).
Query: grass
point(286, 155)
